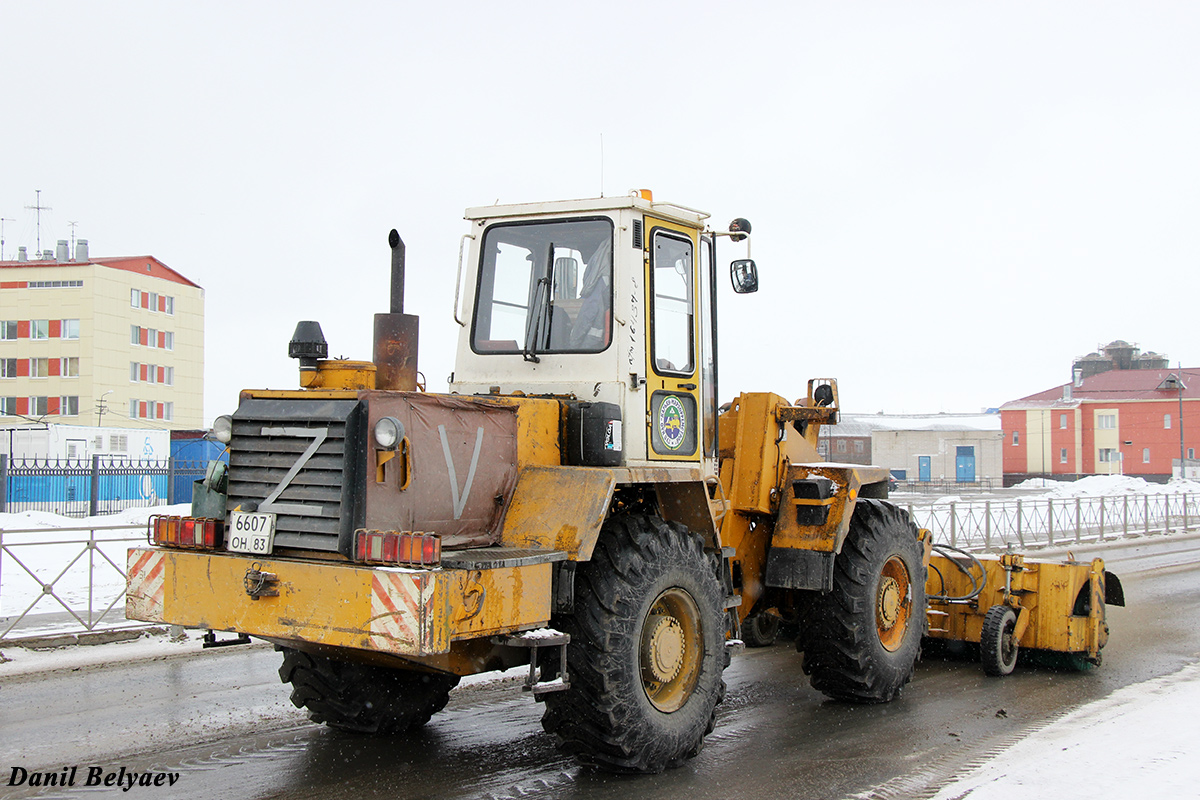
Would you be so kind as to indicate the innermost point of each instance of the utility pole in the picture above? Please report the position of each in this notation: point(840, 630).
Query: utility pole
point(102, 408)
point(2, 221)
point(1182, 386)
point(39, 208)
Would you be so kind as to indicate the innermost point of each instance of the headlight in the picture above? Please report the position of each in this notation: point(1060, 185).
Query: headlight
point(222, 429)
point(388, 433)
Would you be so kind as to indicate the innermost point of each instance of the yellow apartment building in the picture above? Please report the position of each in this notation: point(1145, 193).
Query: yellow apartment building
point(100, 341)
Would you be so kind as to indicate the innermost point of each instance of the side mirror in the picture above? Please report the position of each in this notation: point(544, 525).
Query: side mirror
point(744, 275)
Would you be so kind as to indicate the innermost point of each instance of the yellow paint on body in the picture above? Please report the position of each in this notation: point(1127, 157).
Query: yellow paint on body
point(402, 612)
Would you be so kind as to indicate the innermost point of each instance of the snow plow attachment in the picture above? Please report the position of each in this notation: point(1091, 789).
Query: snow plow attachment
point(1009, 603)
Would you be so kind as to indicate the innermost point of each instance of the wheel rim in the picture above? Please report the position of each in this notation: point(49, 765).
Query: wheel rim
point(671, 650)
point(893, 604)
point(1008, 645)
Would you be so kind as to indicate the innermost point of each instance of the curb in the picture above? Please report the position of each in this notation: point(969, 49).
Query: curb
point(55, 641)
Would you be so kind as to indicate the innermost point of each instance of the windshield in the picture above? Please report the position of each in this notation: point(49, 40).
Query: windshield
point(545, 287)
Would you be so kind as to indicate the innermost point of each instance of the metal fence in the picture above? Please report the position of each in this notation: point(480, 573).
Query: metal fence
point(995, 524)
point(63, 580)
point(97, 486)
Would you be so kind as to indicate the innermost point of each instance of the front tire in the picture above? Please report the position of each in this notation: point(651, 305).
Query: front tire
point(864, 637)
point(647, 650)
point(363, 698)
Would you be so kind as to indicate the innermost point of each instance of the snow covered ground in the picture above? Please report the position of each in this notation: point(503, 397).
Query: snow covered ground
point(1142, 741)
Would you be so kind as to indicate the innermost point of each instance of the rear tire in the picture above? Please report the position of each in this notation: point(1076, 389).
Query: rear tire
point(361, 697)
point(863, 638)
point(997, 648)
point(647, 650)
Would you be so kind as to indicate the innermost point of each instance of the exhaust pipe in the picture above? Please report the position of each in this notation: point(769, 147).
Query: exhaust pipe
point(396, 332)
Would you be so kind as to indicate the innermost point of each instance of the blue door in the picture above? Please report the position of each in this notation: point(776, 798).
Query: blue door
point(964, 465)
point(923, 468)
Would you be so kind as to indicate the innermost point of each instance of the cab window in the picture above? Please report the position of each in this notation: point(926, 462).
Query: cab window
point(545, 287)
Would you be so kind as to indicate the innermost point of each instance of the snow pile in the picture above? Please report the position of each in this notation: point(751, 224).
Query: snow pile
point(28, 520)
point(1141, 741)
point(1038, 483)
point(1109, 485)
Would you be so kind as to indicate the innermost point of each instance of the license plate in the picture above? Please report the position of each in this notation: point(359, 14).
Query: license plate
point(251, 532)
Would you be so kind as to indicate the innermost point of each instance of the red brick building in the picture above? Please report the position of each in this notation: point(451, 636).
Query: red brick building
point(1122, 421)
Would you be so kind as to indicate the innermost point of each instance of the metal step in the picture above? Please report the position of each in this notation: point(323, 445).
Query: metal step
point(535, 640)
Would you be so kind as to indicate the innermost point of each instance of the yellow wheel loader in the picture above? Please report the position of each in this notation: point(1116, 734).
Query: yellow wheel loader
point(576, 502)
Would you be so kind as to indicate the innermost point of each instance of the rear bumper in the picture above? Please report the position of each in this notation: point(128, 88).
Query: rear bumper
point(399, 611)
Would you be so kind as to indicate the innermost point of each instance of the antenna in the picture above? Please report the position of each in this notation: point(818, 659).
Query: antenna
point(602, 165)
point(2, 221)
point(39, 208)
point(72, 224)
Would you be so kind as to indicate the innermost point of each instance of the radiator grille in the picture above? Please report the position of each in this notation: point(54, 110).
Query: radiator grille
point(315, 509)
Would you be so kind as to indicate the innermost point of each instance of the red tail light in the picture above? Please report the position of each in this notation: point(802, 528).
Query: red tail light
point(401, 549)
point(193, 533)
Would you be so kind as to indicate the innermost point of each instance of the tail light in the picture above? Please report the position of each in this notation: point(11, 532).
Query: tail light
point(193, 533)
point(401, 549)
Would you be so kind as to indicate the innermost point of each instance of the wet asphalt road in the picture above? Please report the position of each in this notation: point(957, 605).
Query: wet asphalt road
point(222, 720)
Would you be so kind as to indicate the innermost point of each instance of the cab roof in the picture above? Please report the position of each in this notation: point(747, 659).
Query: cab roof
point(670, 211)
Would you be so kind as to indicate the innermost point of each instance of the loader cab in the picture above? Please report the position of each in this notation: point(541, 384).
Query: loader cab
point(598, 301)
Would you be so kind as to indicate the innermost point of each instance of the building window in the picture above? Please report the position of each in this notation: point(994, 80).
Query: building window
point(858, 447)
point(169, 376)
point(1062, 421)
point(1191, 452)
point(39, 406)
point(8, 368)
point(1062, 455)
point(133, 371)
point(1167, 421)
point(1145, 455)
point(841, 445)
point(39, 329)
point(133, 409)
point(135, 334)
point(1016, 438)
point(8, 330)
point(169, 341)
point(1108, 455)
point(1106, 421)
point(135, 298)
point(39, 367)
point(8, 406)
point(70, 329)
point(169, 306)
point(169, 411)
point(69, 367)
point(68, 406)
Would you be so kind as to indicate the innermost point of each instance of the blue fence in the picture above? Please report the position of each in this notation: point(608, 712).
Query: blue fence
point(99, 486)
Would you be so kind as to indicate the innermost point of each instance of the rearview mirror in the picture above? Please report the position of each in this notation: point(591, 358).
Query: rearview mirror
point(744, 275)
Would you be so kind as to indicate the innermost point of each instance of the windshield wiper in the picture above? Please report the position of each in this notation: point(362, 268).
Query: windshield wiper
point(539, 312)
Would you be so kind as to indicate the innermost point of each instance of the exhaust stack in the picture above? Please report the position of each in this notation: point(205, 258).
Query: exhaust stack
point(396, 332)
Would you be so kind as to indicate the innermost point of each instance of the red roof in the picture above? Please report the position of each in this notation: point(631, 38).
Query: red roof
point(142, 265)
point(1118, 385)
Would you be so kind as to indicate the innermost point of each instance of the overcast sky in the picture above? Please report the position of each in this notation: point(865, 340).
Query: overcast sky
point(950, 200)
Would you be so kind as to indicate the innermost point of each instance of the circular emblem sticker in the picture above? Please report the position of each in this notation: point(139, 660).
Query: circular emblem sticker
point(672, 423)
